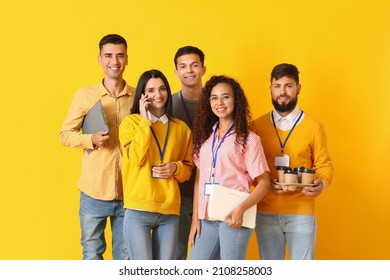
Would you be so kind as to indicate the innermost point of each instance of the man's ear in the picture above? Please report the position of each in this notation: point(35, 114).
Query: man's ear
point(299, 89)
point(204, 70)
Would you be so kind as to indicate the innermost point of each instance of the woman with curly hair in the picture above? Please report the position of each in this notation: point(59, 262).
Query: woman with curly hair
point(226, 153)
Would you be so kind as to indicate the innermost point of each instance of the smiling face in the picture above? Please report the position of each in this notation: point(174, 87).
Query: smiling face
point(189, 69)
point(113, 59)
point(284, 93)
point(157, 93)
point(222, 101)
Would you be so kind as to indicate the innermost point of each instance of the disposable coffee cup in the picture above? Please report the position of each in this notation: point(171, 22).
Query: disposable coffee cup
point(290, 176)
point(308, 176)
point(281, 170)
point(300, 170)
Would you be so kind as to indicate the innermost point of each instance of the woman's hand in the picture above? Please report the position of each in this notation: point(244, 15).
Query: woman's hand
point(165, 170)
point(194, 231)
point(143, 105)
point(235, 217)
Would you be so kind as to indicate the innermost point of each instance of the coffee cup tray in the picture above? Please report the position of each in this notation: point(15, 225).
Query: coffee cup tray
point(293, 186)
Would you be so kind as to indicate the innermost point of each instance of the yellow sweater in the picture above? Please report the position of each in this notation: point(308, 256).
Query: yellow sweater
point(140, 153)
point(307, 146)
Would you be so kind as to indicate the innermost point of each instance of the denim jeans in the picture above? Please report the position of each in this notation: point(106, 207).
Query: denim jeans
point(218, 240)
point(274, 231)
point(150, 235)
point(185, 221)
point(93, 219)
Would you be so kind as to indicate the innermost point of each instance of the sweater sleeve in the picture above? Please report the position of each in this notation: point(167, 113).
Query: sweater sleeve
point(185, 165)
point(134, 136)
point(322, 160)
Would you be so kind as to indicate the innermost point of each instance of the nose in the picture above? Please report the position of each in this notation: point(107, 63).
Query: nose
point(220, 100)
point(159, 93)
point(190, 69)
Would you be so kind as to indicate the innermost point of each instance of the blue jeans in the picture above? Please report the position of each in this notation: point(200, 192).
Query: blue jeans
point(93, 219)
point(185, 221)
point(218, 240)
point(274, 231)
point(150, 235)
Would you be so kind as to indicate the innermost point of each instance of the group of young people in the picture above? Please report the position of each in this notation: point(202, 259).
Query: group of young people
point(141, 172)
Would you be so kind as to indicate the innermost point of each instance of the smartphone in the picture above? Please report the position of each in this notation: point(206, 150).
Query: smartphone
point(147, 99)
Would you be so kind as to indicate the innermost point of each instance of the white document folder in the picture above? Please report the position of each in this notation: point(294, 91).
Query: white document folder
point(223, 200)
point(95, 120)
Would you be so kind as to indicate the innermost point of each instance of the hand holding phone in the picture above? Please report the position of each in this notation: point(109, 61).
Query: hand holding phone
point(143, 105)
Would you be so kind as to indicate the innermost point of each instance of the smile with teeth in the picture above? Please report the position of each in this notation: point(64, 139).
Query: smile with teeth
point(158, 100)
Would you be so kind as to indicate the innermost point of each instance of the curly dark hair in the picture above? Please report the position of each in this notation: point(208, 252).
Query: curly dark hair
point(205, 118)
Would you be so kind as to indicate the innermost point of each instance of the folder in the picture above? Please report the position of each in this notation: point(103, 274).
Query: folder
point(223, 200)
point(95, 120)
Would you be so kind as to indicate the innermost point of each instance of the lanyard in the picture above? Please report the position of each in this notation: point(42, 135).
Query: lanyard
point(162, 152)
point(185, 109)
point(215, 151)
point(285, 141)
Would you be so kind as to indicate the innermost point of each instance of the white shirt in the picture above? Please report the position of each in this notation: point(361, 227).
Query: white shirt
point(287, 122)
point(153, 118)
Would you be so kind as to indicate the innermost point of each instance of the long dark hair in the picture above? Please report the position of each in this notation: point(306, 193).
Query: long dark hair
point(142, 81)
point(205, 118)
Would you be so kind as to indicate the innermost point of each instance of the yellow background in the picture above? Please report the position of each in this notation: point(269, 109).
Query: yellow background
point(49, 49)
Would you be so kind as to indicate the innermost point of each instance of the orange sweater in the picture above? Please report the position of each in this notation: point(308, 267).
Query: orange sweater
point(307, 146)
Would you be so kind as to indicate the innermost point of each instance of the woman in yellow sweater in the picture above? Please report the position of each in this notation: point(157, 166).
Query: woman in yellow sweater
point(157, 153)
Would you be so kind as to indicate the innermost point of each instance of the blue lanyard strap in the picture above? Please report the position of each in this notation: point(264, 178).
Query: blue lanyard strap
point(185, 108)
point(215, 151)
point(162, 152)
point(285, 141)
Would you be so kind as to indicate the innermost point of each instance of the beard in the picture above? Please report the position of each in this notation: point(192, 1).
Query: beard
point(285, 107)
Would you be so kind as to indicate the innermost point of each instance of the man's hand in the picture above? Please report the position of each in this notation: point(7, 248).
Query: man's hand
point(99, 138)
point(315, 190)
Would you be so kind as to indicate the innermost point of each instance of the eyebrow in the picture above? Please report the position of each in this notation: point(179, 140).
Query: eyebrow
point(110, 53)
point(279, 84)
point(191, 63)
point(225, 93)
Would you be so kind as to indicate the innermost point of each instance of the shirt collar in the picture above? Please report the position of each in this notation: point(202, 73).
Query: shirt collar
point(153, 118)
point(291, 117)
point(126, 90)
point(216, 125)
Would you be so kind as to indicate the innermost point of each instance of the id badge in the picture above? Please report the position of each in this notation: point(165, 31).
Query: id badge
point(154, 173)
point(282, 161)
point(207, 187)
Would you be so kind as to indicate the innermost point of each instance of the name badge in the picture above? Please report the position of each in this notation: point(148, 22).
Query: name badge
point(154, 173)
point(282, 161)
point(207, 187)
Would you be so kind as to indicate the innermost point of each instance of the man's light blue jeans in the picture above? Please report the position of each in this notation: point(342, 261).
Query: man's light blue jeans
point(275, 231)
point(218, 240)
point(150, 235)
point(93, 219)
